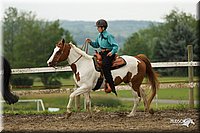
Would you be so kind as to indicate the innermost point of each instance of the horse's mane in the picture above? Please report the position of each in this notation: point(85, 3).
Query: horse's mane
point(78, 50)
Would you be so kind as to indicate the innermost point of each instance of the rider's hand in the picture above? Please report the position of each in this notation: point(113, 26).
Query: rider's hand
point(87, 40)
point(109, 54)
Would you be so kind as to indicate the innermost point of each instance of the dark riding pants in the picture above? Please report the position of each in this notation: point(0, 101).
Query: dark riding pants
point(106, 66)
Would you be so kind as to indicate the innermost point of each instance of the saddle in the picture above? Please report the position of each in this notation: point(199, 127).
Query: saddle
point(117, 63)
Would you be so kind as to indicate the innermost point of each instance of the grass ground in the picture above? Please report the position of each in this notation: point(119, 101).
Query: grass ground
point(168, 93)
point(70, 81)
point(106, 102)
point(102, 101)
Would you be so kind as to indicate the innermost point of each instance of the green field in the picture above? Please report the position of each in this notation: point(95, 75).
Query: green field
point(106, 102)
point(70, 81)
point(101, 100)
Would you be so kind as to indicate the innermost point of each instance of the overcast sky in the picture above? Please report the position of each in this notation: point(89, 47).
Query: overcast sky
point(92, 10)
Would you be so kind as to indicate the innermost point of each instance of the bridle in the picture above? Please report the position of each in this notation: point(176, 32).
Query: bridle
point(58, 58)
point(84, 47)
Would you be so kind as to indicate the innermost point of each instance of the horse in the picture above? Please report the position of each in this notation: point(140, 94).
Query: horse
point(8, 96)
point(86, 76)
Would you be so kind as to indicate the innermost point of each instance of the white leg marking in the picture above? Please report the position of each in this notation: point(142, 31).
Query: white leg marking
point(136, 102)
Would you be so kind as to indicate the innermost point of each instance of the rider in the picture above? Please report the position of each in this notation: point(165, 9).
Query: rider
point(109, 48)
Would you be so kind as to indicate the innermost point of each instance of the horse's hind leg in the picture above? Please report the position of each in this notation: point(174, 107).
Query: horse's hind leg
point(136, 102)
point(88, 105)
point(142, 93)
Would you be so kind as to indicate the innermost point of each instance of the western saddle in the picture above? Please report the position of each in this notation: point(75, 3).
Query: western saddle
point(117, 63)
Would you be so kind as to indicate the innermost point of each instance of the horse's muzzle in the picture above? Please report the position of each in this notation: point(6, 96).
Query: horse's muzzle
point(51, 64)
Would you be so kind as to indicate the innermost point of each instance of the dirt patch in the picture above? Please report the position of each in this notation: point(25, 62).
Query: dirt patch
point(167, 121)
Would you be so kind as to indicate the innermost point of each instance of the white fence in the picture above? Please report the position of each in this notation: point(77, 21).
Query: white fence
point(37, 101)
point(67, 68)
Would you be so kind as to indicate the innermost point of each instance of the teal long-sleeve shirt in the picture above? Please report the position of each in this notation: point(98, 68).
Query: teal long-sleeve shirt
point(105, 40)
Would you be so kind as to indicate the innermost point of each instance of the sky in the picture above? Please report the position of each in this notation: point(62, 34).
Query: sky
point(92, 10)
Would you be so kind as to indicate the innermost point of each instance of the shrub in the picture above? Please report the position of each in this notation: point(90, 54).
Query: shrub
point(53, 84)
point(21, 80)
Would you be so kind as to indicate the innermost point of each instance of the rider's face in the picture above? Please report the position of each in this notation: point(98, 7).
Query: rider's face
point(100, 29)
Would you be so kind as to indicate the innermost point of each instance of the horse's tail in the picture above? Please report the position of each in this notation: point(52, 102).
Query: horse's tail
point(152, 77)
point(7, 95)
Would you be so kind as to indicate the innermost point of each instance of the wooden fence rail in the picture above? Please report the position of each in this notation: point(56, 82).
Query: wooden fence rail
point(67, 68)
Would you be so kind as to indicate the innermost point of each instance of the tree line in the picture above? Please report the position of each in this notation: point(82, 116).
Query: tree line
point(166, 41)
point(28, 41)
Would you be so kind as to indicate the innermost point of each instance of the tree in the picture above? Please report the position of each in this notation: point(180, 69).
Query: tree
point(173, 46)
point(135, 45)
point(143, 41)
point(10, 31)
point(183, 27)
point(166, 41)
point(28, 42)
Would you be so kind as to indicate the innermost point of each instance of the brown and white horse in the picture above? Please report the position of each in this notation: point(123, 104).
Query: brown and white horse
point(86, 76)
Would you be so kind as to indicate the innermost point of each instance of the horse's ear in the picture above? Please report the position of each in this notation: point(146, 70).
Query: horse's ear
point(63, 41)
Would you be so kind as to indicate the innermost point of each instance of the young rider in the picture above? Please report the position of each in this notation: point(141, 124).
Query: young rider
point(109, 47)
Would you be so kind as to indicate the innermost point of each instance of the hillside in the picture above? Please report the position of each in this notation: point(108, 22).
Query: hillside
point(121, 29)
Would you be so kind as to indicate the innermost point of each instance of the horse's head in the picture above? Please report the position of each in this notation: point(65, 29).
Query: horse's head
point(60, 53)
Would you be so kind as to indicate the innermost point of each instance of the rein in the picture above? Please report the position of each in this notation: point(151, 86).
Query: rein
point(85, 47)
point(77, 59)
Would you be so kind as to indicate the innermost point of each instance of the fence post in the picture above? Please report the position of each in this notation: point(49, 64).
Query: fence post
point(190, 74)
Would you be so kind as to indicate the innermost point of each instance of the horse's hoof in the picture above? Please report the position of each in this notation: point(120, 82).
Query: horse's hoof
point(151, 111)
point(68, 114)
point(87, 117)
point(130, 115)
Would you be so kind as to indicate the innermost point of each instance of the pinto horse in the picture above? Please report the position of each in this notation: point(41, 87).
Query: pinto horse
point(86, 76)
point(6, 92)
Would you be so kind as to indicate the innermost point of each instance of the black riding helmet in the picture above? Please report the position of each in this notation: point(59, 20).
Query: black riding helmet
point(102, 23)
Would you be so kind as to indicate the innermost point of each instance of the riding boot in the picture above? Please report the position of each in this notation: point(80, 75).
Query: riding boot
point(112, 86)
point(107, 88)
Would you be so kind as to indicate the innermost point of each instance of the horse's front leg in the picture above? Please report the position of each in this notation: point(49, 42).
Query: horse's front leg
point(78, 91)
